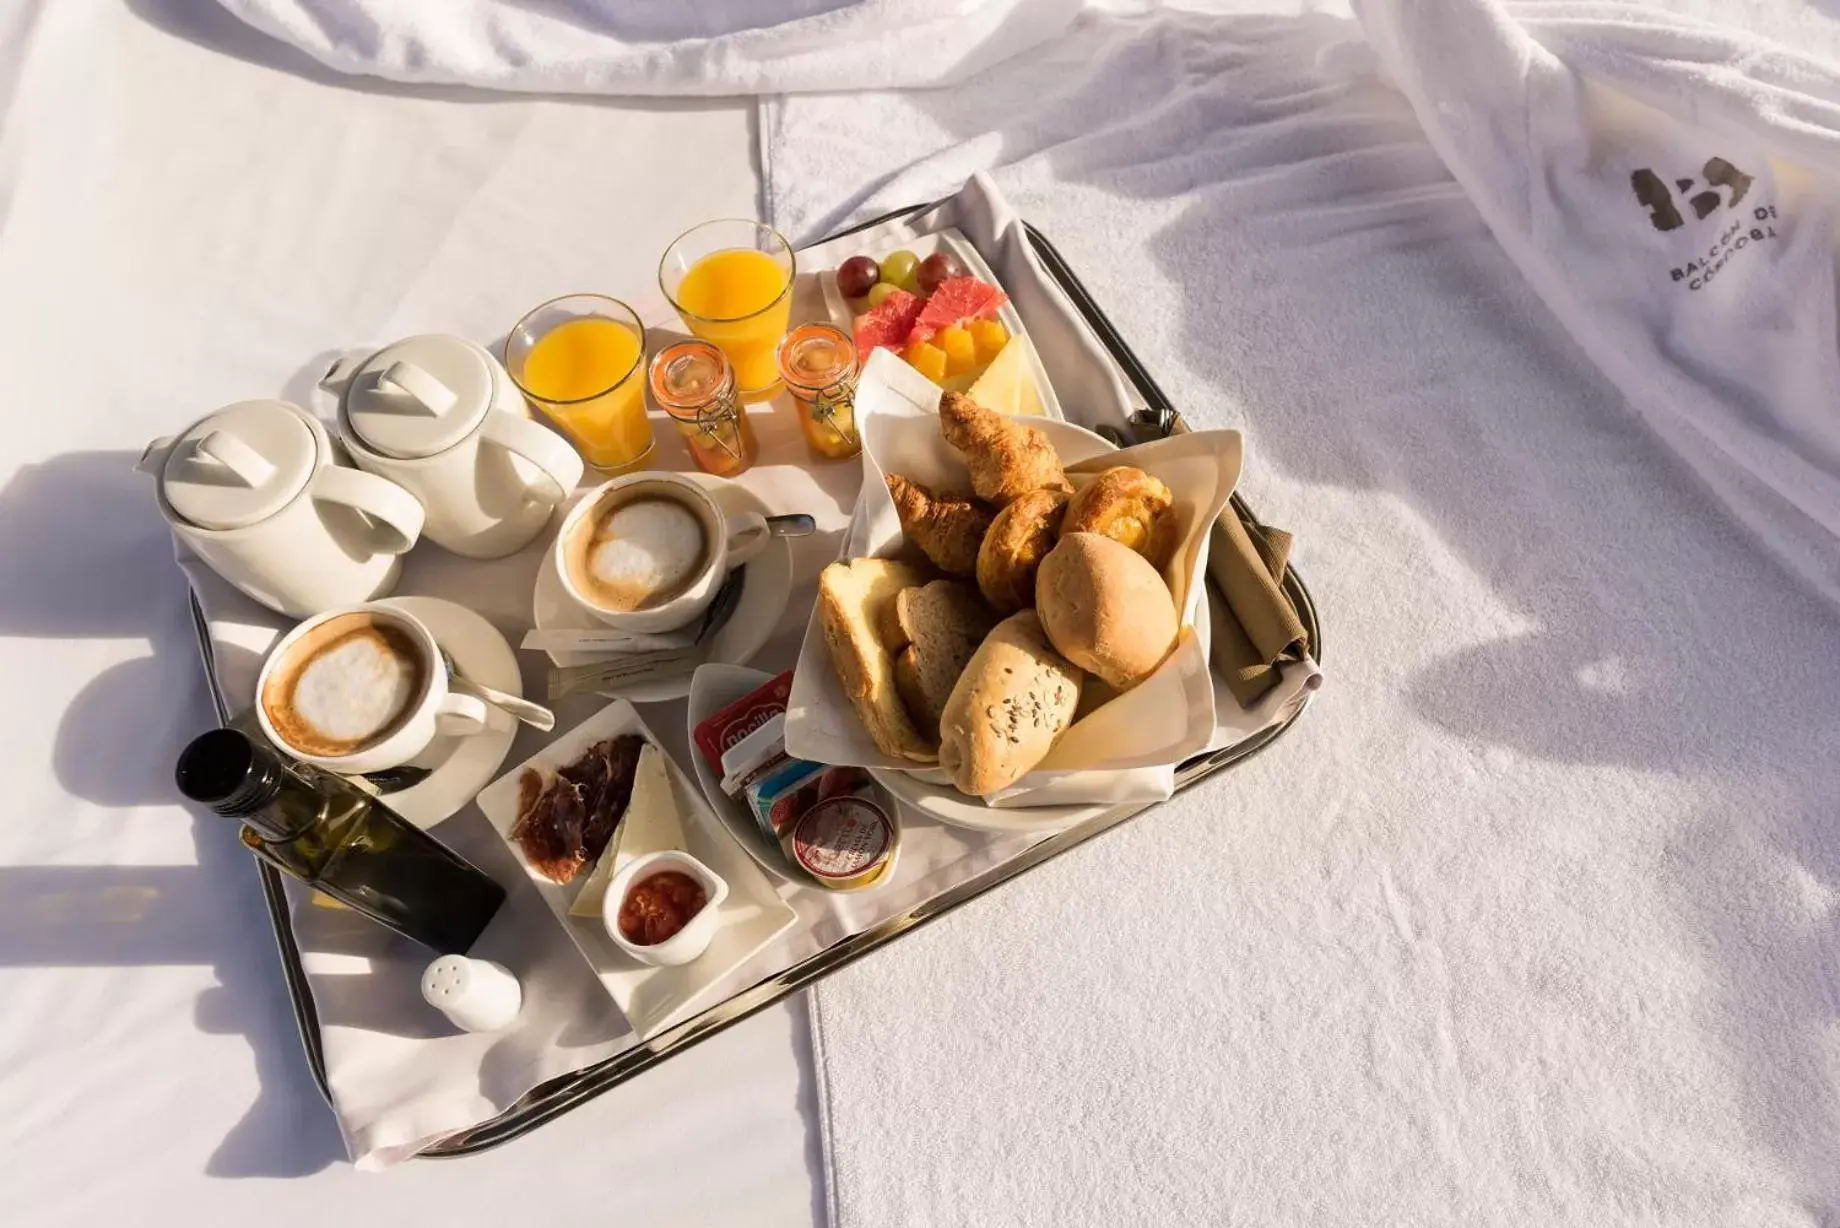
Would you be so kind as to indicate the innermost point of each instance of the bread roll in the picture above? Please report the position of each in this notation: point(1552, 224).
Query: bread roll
point(1013, 700)
point(1105, 608)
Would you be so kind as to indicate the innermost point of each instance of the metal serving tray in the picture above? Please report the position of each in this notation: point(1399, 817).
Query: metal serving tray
point(559, 1095)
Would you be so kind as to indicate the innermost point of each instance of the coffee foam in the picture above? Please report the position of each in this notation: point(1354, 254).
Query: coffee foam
point(638, 551)
point(344, 685)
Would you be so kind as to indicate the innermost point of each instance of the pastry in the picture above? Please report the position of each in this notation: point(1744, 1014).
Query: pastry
point(947, 529)
point(852, 604)
point(1014, 699)
point(1019, 537)
point(939, 626)
point(1129, 506)
point(1007, 459)
point(1106, 609)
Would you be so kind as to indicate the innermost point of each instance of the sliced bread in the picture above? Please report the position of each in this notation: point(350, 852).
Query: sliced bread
point(853, 601)
point(940, 625)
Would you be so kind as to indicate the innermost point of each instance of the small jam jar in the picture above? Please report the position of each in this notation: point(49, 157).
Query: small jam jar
point(695, 386)
point(818, 363)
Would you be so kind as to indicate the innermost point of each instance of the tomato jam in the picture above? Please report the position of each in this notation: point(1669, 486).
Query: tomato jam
point(658, 906)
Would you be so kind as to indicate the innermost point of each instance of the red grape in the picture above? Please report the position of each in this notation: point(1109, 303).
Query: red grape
point(939, 267)
point(856, 275)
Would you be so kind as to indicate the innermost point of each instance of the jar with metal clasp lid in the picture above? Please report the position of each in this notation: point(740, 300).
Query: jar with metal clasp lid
point(695, 386)
point(818, 363)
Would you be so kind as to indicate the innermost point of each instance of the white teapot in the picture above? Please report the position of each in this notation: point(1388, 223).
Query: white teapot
point(440, 417)
point(257, 491)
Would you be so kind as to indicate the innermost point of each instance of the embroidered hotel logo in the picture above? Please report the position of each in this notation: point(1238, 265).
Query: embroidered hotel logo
point(1725, 186)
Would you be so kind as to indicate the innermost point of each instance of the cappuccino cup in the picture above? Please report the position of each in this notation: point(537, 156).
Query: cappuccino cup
point(361, 689)
point(647, 552)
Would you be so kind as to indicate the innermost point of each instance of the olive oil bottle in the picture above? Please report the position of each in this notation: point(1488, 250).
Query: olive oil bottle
point(327, 832)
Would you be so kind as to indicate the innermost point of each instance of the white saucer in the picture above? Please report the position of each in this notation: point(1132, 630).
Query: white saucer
point(766, 585)
point(461, 766)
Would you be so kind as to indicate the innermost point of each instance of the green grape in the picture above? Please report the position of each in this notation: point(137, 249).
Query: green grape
point(902, 268)
point(879, 292)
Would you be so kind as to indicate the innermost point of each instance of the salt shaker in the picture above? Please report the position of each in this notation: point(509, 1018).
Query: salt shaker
point(477, 994)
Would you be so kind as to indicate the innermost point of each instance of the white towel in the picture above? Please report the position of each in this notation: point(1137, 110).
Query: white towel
point(653, 47)
point(1535, 917)
point(1669, 189)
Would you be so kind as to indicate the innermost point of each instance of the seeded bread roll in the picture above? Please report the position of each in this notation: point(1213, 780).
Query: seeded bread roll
point(1105, 608)
point(1013, 700)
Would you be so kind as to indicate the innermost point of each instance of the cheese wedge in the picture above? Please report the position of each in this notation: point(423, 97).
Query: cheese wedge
point(654, 821)
point(1007, 386)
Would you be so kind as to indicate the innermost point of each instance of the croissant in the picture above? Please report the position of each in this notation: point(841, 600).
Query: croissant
point(1007, 459)
point(947, 530)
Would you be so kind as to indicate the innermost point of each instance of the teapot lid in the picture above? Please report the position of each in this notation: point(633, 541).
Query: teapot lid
point(419, 396)
point(239, 465)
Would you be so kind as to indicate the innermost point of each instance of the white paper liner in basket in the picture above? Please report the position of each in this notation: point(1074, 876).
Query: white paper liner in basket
point(1123, 751)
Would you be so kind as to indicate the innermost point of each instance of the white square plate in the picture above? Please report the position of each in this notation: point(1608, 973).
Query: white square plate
point(752, 916)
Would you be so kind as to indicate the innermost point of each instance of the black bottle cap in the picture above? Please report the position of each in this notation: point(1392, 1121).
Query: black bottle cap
point(227, 772)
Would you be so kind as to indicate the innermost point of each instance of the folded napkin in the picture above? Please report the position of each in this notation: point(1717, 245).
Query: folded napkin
point(653, 47)
point(1264, 632)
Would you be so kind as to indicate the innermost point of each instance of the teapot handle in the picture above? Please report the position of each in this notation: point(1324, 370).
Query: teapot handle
point(153, 456)
point(391, 508)
point(542, 447)
point(346, 365)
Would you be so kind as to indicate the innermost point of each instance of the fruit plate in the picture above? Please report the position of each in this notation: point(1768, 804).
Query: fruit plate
point(843, 311)
point(751, 917)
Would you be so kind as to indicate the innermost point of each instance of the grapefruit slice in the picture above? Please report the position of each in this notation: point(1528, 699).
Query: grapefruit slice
point(959, 300)
point(888, 326)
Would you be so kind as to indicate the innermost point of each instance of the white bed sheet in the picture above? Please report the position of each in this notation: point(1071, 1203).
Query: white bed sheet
point(190, 215)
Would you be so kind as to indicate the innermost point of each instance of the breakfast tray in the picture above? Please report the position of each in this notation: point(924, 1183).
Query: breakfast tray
point(1155, 417)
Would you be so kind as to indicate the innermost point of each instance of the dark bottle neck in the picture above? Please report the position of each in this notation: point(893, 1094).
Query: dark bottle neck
point(239, 779)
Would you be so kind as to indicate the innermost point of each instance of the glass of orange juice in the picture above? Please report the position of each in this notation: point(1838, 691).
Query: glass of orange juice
point(731, 281)
point(581, 360)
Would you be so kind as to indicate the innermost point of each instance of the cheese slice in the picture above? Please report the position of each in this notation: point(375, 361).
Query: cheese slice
point(654, 822)
point(1007, 386)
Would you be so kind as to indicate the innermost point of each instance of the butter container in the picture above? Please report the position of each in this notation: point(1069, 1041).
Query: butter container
point(775, 787)
point(846, 843)
point(778, 800)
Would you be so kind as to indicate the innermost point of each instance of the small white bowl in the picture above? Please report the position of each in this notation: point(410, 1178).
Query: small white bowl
point(687, 943)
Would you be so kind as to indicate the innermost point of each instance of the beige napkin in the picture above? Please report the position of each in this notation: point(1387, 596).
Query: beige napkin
point(1264, 630)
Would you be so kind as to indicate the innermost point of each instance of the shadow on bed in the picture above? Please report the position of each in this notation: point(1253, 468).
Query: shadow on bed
point(87, 557)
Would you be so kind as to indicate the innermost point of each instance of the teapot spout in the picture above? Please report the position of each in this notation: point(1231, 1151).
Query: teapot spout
point(339, 375)
point(153, 456)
